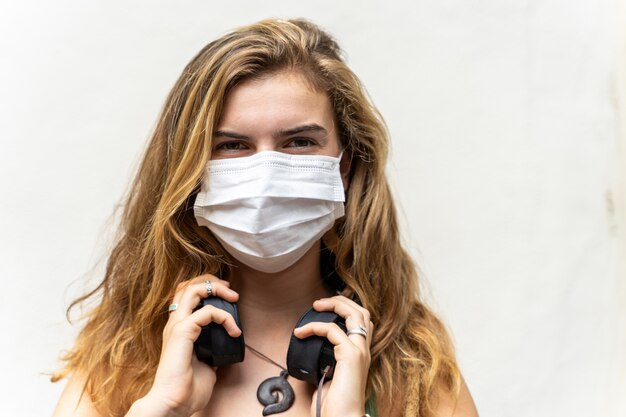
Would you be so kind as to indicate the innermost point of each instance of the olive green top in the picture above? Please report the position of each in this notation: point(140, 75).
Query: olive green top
point(370, 406)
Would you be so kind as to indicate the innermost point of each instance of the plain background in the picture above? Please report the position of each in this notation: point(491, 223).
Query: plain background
point(507, 121)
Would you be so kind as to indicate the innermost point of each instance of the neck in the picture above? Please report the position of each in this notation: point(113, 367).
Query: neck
point(271, 303)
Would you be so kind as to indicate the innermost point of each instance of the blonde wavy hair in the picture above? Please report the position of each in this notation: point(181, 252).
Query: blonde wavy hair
point(160, 245)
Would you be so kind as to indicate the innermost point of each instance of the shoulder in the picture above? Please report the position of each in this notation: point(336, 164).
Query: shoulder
point(74, 400)
point(446, 404)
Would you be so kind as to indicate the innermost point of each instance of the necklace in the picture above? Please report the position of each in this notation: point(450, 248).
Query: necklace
point(269, 390)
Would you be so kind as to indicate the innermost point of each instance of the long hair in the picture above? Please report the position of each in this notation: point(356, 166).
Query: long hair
point(160, 245)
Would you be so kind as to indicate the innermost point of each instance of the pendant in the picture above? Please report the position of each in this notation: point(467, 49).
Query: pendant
point(275, 394)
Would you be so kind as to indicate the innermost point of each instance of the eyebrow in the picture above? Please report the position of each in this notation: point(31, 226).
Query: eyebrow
point(313, 127)
point(228, 134)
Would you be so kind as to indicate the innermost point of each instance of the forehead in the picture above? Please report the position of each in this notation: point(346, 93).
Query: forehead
point(284, 98)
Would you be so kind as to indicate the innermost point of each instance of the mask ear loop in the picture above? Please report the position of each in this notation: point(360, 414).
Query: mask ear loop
point(318, 402)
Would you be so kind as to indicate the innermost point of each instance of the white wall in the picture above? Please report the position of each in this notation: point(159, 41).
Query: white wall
point(506, 140)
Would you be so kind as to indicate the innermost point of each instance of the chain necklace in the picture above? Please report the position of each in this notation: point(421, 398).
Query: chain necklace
point(269, 390)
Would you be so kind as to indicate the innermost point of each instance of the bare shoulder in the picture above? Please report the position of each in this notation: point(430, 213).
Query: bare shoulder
point(74, 402)
point(446, 404)
point(463, 406)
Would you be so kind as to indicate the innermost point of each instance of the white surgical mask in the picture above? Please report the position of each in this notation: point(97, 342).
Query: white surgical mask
point(268, 209)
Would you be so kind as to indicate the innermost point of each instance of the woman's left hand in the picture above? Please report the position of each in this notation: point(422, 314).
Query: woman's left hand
point(344, 395)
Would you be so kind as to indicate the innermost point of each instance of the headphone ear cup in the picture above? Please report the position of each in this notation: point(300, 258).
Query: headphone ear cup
point(307, 358)
point(215, 346)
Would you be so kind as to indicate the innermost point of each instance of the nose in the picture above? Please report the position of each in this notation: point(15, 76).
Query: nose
point(266, 144)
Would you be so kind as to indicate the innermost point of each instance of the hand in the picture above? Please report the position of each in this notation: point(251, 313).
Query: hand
point(182, 384)
point(344, 395)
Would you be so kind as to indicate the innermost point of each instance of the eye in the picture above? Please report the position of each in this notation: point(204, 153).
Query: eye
point(230, 146)
point(301, 143)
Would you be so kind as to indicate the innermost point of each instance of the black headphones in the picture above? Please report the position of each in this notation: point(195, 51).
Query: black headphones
point(306, 358)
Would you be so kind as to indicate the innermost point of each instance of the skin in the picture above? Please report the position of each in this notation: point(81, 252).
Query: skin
point(279, 112)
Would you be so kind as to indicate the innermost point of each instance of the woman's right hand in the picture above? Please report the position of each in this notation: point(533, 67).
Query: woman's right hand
point(182, 384)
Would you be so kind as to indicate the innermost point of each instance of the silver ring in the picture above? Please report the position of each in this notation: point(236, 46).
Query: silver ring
point(172, 307)
point(209, 288)
point(359, 330)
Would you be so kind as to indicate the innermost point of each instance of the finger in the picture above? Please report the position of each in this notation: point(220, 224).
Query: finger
point(203, 317)
point(344, 307)
point(210, 314)
point(197, 280)
point(355, 315)
point(331, 331)
point(190, 296)
point(209, 277)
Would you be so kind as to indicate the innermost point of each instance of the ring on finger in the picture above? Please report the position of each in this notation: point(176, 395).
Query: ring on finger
point(209, 288)
point(358, 330)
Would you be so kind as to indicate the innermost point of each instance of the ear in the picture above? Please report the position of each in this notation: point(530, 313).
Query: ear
point(344, 169)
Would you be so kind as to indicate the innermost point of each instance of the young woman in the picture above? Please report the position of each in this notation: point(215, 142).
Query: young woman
point(263, 185)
